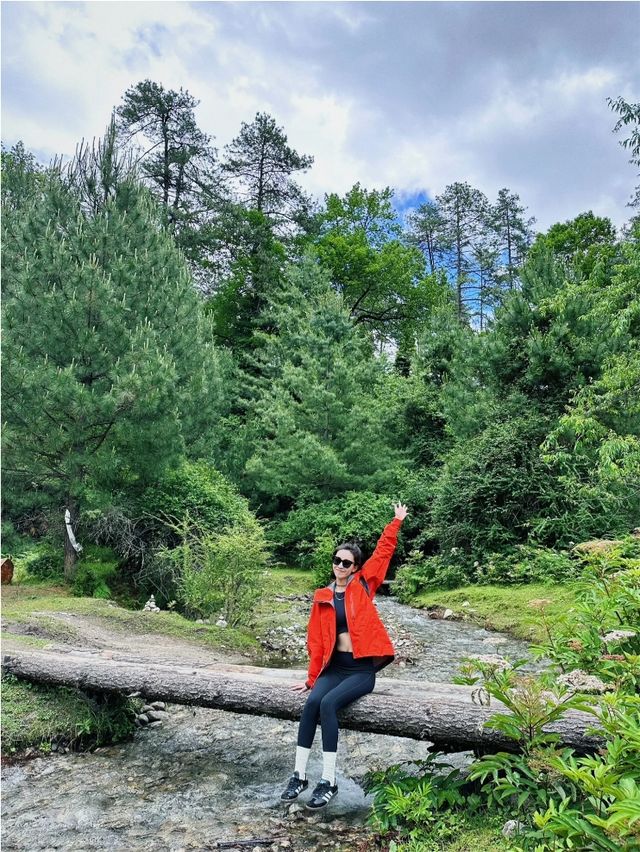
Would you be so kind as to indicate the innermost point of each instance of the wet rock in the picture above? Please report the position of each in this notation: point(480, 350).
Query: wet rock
point(158, 705)
point(448, 613)
point(157, 715)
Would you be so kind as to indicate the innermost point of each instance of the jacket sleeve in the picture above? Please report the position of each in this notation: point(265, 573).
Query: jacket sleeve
point(314, 645)
point(375, 568)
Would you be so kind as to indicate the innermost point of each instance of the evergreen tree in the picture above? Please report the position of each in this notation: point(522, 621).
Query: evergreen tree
point(514, 236)
point(464, 212)
point(319, 411)
point(109, 372)
point(426, 229)
point(261, 164)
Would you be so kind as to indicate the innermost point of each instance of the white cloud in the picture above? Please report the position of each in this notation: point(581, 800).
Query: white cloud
point(381, 93)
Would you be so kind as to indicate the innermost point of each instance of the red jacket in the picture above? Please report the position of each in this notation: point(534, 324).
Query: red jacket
point(368, 635)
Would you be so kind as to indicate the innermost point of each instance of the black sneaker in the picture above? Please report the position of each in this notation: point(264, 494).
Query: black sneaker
point(322, 795)
point(294, 788)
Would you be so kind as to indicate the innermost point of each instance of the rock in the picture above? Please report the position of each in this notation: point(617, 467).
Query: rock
point(158, 705)
point(6, 568)
point(154, 724)
point(466, 603)
point(600, 545)
point(511, 827)
point(221, 623)
point(143, 719)
point(157, 715)
point(448, 613)
point(146, 708)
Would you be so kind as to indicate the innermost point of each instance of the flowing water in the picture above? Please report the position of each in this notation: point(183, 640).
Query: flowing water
point(206, 776)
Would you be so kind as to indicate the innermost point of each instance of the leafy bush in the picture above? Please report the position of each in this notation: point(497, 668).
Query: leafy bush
point(46, 562)
point(356, 516)
point(419, 573)
point(95, 569)
point(198, 489)
point(490, 487)
point(417, 796)
point(527, 563)
point(219, 572)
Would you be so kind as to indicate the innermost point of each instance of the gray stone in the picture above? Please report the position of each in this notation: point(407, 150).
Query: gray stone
point(158, 705)
point(157, 715)
point(511, 827)
point(448, 613)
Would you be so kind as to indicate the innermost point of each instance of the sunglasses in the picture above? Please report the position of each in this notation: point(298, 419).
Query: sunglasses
point(346, 563)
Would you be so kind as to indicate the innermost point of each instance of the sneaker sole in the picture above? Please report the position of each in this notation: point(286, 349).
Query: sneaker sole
point(320, 807)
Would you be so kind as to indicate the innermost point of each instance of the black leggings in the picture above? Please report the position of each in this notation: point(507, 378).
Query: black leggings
point(344, 680)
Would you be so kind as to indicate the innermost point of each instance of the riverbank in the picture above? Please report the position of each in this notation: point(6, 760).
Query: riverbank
point(506, 609)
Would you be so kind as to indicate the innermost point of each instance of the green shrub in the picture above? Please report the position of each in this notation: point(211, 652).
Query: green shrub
point(219, 572)
point(419, 573)
point(356, 516)
point(95, 569)
point(46, 562)
point(526, 563)
point(490, 487)
point(198, 489)
point(13, 542)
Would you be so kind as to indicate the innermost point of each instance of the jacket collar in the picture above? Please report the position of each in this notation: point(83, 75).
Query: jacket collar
point(325, 594)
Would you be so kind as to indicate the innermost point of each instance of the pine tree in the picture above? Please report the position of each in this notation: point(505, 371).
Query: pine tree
point(261, 164)
point(109, 372)
point(319, 408)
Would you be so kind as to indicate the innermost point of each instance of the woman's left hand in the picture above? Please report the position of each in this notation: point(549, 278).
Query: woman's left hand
point(401, 510)
point(299, 687)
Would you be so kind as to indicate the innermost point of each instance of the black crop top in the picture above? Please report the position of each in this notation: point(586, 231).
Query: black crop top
point(341, 616)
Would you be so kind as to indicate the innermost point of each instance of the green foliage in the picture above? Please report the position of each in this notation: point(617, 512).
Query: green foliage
point(45, 561)
point(96, 568)
point(101, 389)
point(420, 572)
point(195, 488)
point(380, 279)
point(319, 413)
point(359, 516)
point(489, 487)
point(581, 242)
point(415, 797)
point(221, 572)
point(36, 716)
point(601, 634)
point(527, 563)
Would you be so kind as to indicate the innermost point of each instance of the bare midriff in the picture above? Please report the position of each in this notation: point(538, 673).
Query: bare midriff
point(343, 642)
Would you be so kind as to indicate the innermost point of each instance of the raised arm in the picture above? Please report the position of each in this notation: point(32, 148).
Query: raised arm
point(375, 568)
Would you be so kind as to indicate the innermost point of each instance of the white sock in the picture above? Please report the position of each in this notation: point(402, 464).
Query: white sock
point(329, 766)
point(302, 755)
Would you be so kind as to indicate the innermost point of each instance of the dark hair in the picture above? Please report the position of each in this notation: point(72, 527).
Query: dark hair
point(355, 551)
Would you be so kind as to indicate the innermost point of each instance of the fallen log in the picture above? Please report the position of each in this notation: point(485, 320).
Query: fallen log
point(443, 714)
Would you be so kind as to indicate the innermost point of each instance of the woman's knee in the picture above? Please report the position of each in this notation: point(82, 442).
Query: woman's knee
point(328, 707)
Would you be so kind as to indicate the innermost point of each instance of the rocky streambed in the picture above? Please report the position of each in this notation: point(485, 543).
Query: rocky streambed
point(205, 777)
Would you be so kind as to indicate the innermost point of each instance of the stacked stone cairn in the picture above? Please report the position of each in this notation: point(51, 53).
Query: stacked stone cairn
point(151, 605)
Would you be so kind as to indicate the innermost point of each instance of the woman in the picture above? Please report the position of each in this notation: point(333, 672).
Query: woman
point(347, 645)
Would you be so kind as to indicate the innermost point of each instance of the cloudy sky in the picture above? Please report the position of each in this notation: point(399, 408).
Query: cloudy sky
point(413, 95)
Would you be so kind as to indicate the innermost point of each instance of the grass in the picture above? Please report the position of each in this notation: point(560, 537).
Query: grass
point(29, 604)
point(34, 715)
point(505, 608)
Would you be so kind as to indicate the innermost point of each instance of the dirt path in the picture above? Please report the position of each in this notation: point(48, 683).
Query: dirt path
point(95, 636)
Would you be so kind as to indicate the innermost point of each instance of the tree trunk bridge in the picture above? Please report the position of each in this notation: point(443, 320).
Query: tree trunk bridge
point(441, 713)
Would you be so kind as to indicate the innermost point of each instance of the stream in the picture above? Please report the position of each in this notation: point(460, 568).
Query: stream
point(206, 776)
